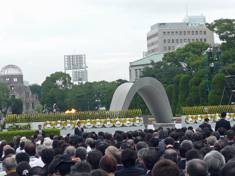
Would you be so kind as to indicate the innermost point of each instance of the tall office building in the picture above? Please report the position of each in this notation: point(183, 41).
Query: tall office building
point(165, 37)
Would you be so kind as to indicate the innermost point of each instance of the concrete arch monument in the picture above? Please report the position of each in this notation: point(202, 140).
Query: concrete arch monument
point(153, 94)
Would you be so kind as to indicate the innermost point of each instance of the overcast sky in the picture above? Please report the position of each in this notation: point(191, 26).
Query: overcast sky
point(35, 35)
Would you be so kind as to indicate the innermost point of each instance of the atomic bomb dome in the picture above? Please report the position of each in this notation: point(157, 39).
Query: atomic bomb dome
point(12, 76)
point(11, 70)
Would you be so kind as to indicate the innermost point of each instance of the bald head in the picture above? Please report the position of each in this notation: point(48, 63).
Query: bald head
point(110, 150)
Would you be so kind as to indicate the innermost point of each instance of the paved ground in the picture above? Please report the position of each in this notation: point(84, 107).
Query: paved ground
point(110, 130)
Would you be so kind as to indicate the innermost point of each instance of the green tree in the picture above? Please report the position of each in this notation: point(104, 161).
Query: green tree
point(217, 87)
point(169, 91)
point(55, 89)
point(38, 108)
point(5, 100)
point(175, 96)
point(183, 89)
point(16, 105)
point(36, 89)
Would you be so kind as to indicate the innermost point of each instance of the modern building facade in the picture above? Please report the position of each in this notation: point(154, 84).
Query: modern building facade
point(166, 37)
point(12, 76)
point(136, 67)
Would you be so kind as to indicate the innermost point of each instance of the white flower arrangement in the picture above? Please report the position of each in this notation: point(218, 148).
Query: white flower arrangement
point(118, 122)
point(217, 117)
point(59, 124)
point(48, 125)
point(138, 121)
point(200, 119)
point(82, 123)
point(98, 123)
point(88, 124)
point(128, 122)
point(189, 119)
point(108, 123)
point(68, 125)
point(229, 117)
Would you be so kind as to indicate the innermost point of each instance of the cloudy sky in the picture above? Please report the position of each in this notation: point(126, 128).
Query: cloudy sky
point(35, 35)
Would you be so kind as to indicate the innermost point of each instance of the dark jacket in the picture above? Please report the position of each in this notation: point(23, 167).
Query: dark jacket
point(130, 171)
point(78, 132)
point(222, 123)
point(204, 125)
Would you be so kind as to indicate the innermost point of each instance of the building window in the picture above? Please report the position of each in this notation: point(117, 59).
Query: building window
point(200, 39)
point(196, 32)
point(169, 40)
point(32, 105)
point(176, 40)
point(176, 32)
point(15, 80)
point(164, 33)
point(172, 32)
point(180, 32)
point(172, 41)
point(188, 40)
point(204, 39)
point(164, 48)
point(7, 79)
point(188, 32)
point(192, 32)
point(200, 32)
point(168, 33)
point(181, 40)
point(193, 40)
point(136, 74)
point(169, 48)
point(185, 40)
point(12, 88)
point(27, 94)
point(184, 32)
point(196, 39)
point(173, 48)
point(204, 32)
point(164, 41)
point(27, 106)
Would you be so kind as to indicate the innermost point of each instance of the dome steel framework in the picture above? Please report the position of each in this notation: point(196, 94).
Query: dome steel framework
point(11, 70)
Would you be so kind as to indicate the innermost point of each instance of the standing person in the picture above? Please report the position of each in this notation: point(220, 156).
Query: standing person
point(40, 131)
point(222, 122)
point(205, 124)
point(79, 130)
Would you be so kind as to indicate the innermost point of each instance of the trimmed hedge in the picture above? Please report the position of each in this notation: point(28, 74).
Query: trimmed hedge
point(8, 135)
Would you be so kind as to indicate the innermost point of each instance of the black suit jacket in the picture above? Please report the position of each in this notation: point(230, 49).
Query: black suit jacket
point(204, 125)
point(78, 132)
point(130, 171)
point(222, 123)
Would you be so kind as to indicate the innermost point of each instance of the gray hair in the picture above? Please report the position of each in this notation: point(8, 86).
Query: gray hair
point(81, 152)
point(189, 134)
point(40, 148)
point(9, 164)
point(70, 151)
point(215, 161)
point(88, 141)
point(196, 167)
point(187, 142)
point(141, 145)
point(155, 134)
point(211, 140)
point(142, 152)
point(110, 150)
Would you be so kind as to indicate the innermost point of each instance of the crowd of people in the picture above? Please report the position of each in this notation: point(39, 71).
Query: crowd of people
point(169, 152)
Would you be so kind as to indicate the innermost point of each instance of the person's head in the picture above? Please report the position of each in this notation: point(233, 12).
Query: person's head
point(63, 164)
point(153, 142)
point(150, 158)
point(228, 152)
point(39, 149)
point(219, 145)
point(102, 146)
point(184, 147)
point(215, 161)
point(98, 172)
point(223, 115)
point(228, 169)
point(108, 163)
point(230, 135)
point(39, 127)
point(23, 168)
point(117, 155)
point(35, 171)
point(30, 149)
point(141, 145)
point(193, 154)
point(128, 157)
point(81, 152)
point(169, 141)
point(81, 167)
point(79, 124)
point(196, 167)
point(9, 164)
point(141, 154)
point(94, 158)
point(206, 120)
point(216, 134)
point(110, 150)
point(198, 145)
point(47, 155)
point(165, 167)
point(22, 157)
point(222, 131)
point(197, 136)
point(70, 151)
point(171, 154)
point(211, 140)
point(189, 134)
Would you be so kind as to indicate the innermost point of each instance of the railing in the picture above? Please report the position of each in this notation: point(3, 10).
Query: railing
point(82, 115)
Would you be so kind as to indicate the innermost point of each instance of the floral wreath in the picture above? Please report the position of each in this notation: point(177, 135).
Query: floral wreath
point(108, 123)
point(118, 122)
point(89, 123)
point(138, 121)
point(81, 121)
point(68, 125)
point(59, 124)
point(190, 119)
point(128, 122)
point(98, 123)
point(48, 125)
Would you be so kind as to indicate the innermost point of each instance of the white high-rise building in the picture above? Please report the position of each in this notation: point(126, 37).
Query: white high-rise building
point(165, 37)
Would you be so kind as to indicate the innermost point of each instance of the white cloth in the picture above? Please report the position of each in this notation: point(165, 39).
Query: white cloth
point(20, 151)
point(88, 149)
point(33, 161)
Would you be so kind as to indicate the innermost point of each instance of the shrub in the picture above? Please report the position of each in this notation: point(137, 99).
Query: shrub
point(8, 135)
